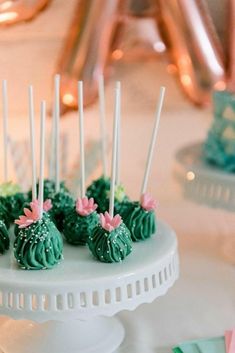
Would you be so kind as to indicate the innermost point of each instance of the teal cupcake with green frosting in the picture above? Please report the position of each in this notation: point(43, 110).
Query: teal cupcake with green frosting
point(62, 204)
point(38, 245)
point(4, 238)
point(140, 218)
point(110, 240)
point(80, 222)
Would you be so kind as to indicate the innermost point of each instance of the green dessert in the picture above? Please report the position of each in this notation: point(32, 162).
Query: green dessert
point(49, 189)
point(219, 147)
point(12, 200)
point(80, 221)
point(4, 238)
point(100, 190)
point(110, 240)
point(62, 203)
point(47, 206)
point(4, 215)
point(39, 244)
point(140, 218)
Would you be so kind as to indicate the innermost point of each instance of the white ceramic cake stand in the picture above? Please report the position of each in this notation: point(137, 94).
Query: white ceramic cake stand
point(70, 309)
point(202, 182)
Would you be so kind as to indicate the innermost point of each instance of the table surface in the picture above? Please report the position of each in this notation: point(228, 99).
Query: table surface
point(201, 304)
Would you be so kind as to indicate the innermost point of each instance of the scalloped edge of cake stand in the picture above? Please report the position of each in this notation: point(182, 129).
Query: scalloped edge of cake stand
point(105, 290)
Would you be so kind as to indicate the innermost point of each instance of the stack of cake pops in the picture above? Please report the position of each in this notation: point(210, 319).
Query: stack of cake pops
point(102, 217)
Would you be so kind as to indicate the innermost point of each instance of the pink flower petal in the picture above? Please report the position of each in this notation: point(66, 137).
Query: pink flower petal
point(110, 223)
point(85, 206)
point(147, 202)
point(47, 205)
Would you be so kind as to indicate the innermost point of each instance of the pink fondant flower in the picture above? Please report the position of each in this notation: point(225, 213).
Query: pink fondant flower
point(110, 223)
point(47, 205)
point(33, 215)
point(85, 206)
point(147, 202)
point(30, 216)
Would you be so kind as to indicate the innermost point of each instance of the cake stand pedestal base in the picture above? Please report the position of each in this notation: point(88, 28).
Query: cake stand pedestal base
point(98, 335)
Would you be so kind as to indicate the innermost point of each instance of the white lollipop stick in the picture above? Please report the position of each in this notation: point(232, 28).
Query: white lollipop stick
point(57, 132)
point(118, 140)
point(81, 138)
point(153, 141)
point(114, 147)
point(42, 157)
point(102, 123)
point(52, 151)
point(5, 128)
point(32, 143)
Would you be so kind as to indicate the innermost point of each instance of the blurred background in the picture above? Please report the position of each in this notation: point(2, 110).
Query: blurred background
point(186, 41)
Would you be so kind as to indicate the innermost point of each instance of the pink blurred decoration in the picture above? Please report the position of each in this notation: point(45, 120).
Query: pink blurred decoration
point(85, 206)
point(110, 223)
point(230, 341)
point(30, 216)
point(147, 202)
point(47, 205)
point(14, 11)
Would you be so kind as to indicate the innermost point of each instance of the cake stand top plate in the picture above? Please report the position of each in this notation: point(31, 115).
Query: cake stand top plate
point(202, 182)
point(81, 286)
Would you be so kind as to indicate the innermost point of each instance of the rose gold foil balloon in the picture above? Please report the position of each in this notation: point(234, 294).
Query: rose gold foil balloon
point(96, 35)
point(194, 47)
point(231, 68)
point(87, 48)
point(12, 11)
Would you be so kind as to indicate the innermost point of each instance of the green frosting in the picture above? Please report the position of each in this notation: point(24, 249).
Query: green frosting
point(100, 190)
point(111, 246)
point(39, 246)
point(49, 189)
point(4, 238)
point(14, 205)
point(4, 215)
point(77, 228)
point(11, 202)
point(141, 223)
point(62, 203)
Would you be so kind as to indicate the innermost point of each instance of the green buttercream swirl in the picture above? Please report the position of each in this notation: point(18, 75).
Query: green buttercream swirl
point(141, 223)
point(4, 238)
point(77, 228)
point(39, 246)
point(111, 246)
point(62, 203)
